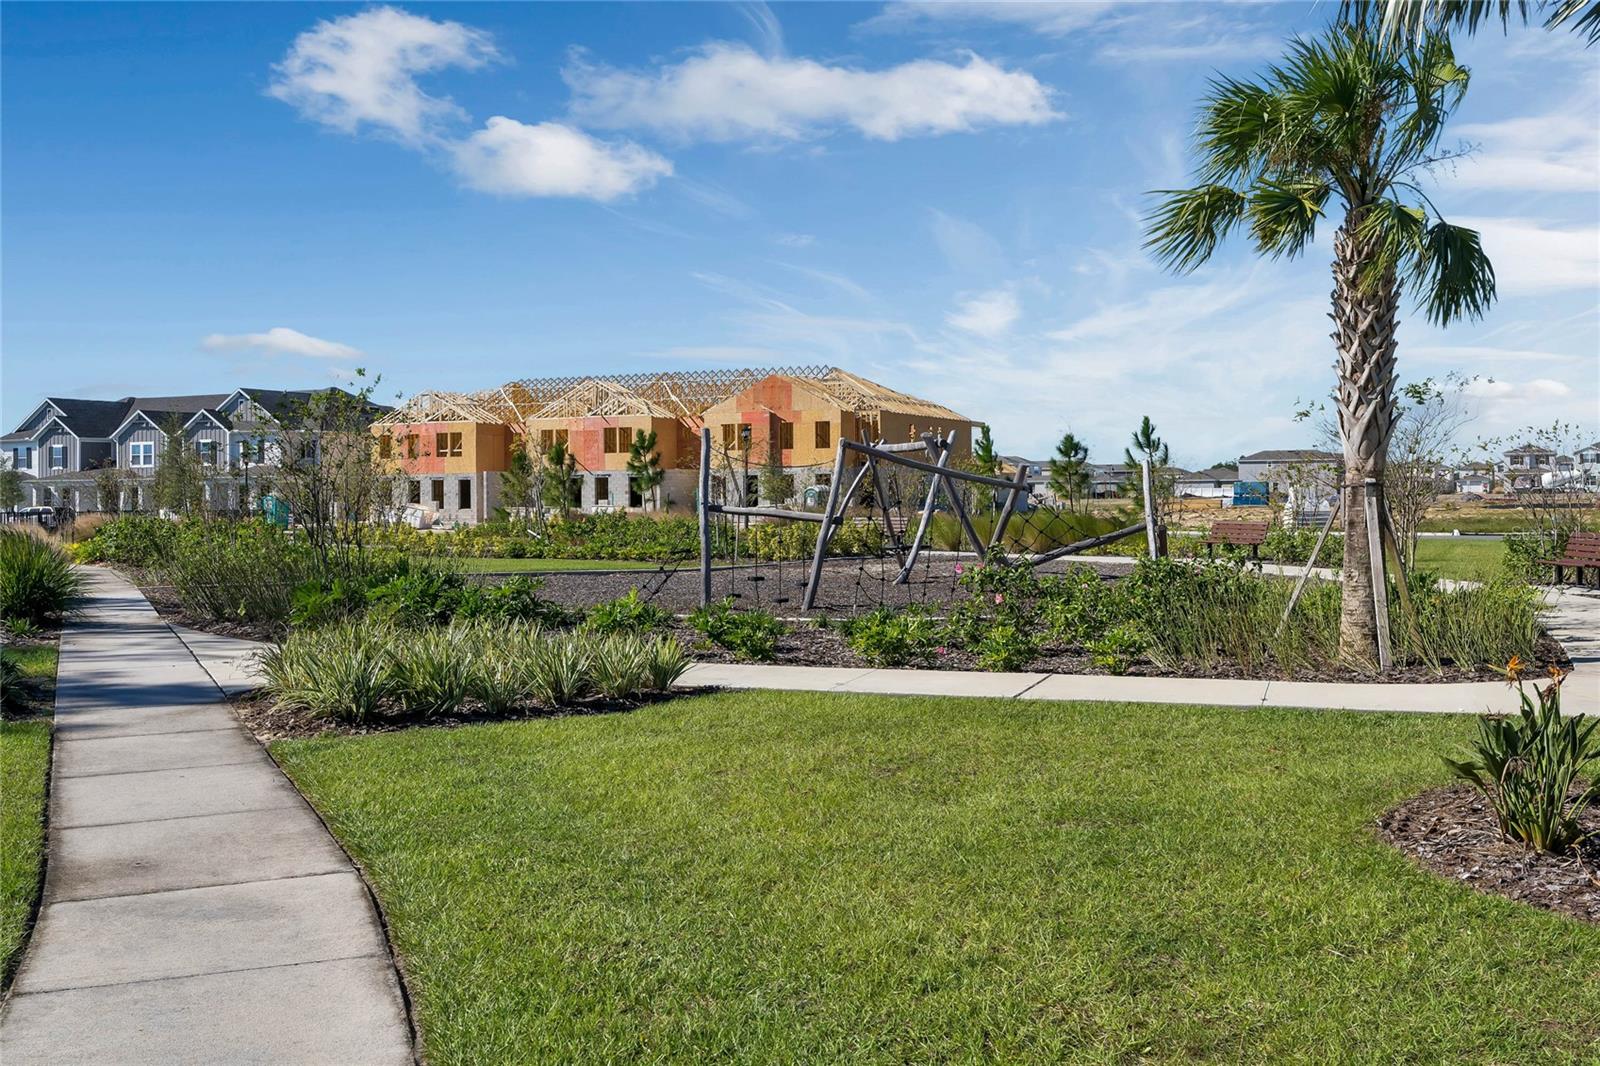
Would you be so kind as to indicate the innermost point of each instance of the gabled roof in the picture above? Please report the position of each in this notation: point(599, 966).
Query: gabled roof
point(439, 407)
point(89, 418)
point(213, 414)
point(1214, 473)
point(597, 396)
point(855, 393)
point(1291, 455)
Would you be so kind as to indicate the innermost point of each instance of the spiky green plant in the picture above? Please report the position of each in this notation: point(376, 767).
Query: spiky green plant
point(37, 581)
point(1531, 767)
point(558, 669)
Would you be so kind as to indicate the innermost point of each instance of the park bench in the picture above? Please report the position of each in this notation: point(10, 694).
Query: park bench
point(1582, 553)
point(1238, 534)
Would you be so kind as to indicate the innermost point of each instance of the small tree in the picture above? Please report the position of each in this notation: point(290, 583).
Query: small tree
point(644, 465)
point(178, 484)
point(1069, 471)
point(522, 486)
point(330, 475)
point(108, 485)
point(1144, 446)
point(984, 459)
point(1426, 428)
point(561, 466)
point(11, 494)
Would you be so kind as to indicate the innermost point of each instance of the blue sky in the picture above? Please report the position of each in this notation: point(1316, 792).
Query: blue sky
point(945, 198)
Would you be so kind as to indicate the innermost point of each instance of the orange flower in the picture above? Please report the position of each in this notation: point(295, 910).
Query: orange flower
point(1515, 668)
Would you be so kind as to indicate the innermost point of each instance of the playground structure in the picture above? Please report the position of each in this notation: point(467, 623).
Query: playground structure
point(898, 489)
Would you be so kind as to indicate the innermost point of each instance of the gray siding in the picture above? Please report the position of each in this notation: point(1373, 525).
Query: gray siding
point(207, 430)
point(59, 438)
point(137, 434)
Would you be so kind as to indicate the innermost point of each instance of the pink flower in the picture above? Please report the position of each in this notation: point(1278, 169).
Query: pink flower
point(960, 569)
point(999, 597)
point(942, 650)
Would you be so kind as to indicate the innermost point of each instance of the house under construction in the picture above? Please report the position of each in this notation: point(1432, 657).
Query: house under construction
point(452, 447)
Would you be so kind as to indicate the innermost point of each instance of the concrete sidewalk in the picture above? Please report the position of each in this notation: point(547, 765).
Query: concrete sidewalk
point(195, 909)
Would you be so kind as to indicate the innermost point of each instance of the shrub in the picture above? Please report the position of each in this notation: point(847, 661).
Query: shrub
point(665, 662)
point(138, 540)
point(235, 571)
point(433, 670)
point(1117, 649)
point(1005, 646)
point(1076, 606)
point(37, 581)
point(887, 637)
point(515, 599)
point(1294, 546)
point(1523, 551)
point(1529, 768)
point(343, 671)
point(627, 614)
point(418, 596)
point(558, 669)
point(1466, 625)
point(748, 634)
point(312, 603)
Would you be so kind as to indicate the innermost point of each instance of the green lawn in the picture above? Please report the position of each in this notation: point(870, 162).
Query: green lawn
point(24, 766)
point(533, 566)
point(1462, 558)
point(787, 877)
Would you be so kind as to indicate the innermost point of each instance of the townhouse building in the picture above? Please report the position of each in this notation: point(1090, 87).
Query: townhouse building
point(64, 447)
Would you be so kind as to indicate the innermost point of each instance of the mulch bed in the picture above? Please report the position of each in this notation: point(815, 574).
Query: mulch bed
point(1451, 831)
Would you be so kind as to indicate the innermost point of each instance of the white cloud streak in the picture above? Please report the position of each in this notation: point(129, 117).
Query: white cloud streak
point(1041, 17)
point(729, 92)
point(988, 314)
point(279, 340)
point(1544, 153)
point(1531, 256)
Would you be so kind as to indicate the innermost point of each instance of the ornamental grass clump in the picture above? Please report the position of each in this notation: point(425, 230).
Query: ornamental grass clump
point(433, 669)
point(497, 658)
point(37, 581)
point(343, 671)
point(1531, 768)
point(665, 662)
point(559, 669)
point(619, 667)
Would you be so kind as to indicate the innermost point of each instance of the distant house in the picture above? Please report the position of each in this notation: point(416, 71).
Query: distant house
point(1533, 466)
point(1475, 477)
point(1038, 474)
point(1314, 474)
point(1108, 479)
point(1212, 483)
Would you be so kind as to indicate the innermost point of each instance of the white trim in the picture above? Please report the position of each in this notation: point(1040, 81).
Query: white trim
point(215, 420)
point(116, 433)
point(141, 444)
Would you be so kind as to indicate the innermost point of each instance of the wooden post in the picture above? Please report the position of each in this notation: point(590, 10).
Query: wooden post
point(825, 530)
point(1316, 550)
point(1393, 540)
point(1380, 586)
point(1149, 506)
point(943, 448)
point(1011, 505)
point(705, 516)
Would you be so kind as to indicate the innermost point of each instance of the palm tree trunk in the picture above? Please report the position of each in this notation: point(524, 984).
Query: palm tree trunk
point(1364, 331)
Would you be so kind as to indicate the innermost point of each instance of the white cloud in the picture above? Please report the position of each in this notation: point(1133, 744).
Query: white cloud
point(728, 92)
point(1545, 153)
point(1040, 16)
point(1531, 256)
point(511, 158)
point(796, 240)
point(279, 340)
point(988, 314)
point(360, 70)
point(1217, 49)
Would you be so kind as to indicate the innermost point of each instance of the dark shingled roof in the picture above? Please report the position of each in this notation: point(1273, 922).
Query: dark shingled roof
point(1288, 455)
point(100, 418)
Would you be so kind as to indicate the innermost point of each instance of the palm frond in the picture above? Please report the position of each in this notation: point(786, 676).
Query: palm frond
point(1186, 227)
point(1395, 235)
point(1584, 15)
point(1239, 123)
point(1453, 276)
point(1284, 213)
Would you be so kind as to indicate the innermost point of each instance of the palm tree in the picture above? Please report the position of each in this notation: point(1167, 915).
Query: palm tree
point(1069, 472)
point(1350, 117)
point(1417, 16)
